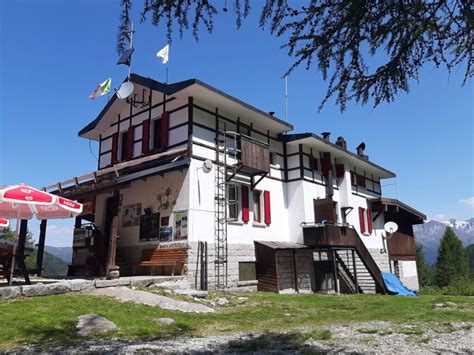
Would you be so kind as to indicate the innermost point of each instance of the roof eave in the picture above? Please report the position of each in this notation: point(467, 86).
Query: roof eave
point(300, 136)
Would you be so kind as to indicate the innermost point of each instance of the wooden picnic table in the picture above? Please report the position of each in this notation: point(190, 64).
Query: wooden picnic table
point(6, 254)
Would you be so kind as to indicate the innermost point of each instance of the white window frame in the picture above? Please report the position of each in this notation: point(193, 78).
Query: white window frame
point(238, 206)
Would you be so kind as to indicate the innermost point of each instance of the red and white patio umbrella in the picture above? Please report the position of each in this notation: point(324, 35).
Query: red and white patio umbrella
point(24, 202)
point(4, 223)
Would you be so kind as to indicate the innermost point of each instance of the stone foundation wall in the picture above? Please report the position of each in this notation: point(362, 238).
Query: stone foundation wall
point(235, 253)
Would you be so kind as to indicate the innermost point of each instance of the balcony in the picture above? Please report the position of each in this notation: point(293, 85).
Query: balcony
point(254, 156)
point(401, 247)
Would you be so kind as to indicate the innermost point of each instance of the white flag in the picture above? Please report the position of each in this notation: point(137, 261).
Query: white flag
point(164, 53)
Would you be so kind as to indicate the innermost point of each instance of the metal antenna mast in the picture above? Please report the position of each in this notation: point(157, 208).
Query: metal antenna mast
point(286, 98)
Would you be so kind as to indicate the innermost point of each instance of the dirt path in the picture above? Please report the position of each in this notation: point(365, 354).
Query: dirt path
point(373, 337)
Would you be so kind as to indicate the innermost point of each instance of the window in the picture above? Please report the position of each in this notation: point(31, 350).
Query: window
point(123, 146)
point(272, 158)
point(244, 129)
point(257, 205)
point(247, 271)
point(156, 134)
point(233, 194)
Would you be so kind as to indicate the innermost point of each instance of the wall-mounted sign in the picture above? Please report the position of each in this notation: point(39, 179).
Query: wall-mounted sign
point(150, 226)
point(131, 215)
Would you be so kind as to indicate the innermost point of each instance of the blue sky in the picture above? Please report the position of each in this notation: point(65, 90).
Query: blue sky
point(54, 53)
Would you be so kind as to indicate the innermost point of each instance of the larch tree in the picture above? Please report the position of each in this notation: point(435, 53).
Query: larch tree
point(451, 264)
point(338, 38)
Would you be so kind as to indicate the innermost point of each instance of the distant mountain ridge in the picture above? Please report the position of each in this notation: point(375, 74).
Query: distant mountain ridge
point(64, 253)
point(430, 234)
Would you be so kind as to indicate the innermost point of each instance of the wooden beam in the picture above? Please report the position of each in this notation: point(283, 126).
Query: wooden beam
point(113, 271)
point(41, 241)
point(21, 249)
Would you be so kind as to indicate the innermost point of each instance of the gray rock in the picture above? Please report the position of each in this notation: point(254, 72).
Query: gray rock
point(172, 285)
point(192, 293)
point(45, 289)
point(221, 301)
point(10, 292)
point(112, 283)
point(166, 321)
point(440, 305)
point(450, 304)
point(89, 324)
point(243, 299)
point(150, 299)
point(81, 285)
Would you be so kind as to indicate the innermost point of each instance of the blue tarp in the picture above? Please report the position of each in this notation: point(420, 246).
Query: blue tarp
point(395, 286)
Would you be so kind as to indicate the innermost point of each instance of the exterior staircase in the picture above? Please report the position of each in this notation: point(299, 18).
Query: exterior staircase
point(345, 243)
point(365, 281)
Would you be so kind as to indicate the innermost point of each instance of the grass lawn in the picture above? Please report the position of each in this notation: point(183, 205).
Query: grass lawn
point(52, 319)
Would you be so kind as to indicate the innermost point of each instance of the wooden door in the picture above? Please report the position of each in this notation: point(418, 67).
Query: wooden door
point(324, 210)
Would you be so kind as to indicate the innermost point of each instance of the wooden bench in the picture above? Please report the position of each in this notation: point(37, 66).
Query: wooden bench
point(172, 257)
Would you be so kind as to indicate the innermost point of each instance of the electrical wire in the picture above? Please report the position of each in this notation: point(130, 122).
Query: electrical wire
point(90, 149)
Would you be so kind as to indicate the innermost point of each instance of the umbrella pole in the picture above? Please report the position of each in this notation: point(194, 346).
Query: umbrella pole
point(12, 267)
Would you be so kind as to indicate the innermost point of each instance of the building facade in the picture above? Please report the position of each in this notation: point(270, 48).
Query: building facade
point(185, 166)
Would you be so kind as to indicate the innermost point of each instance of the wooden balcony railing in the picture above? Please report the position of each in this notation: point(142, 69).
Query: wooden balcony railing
point(339, 236)
point(401, 247)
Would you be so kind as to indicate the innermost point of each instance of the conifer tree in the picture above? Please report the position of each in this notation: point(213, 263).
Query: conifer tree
point(451, 264)
point(364, 50)
point(424, 270)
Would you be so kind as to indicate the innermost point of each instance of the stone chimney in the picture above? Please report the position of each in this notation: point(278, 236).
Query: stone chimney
point(326, 136)
point(360, 151)
point(341, 142)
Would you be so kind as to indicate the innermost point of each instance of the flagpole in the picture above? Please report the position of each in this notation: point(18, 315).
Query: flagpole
point(167, 66)
point(286, 98)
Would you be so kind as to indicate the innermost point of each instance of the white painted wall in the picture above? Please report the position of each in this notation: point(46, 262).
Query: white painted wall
point(201, 215)
point(145, 192)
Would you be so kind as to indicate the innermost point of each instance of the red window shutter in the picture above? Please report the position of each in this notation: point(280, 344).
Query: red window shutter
point(165, 124)
point(146, 136)
point(369, 221)
point(340, 170)
point(325, 166)
point(245, 203)
point(266, 206)
point(362, 220)
point(114, 148)
point(130, 139)
point(313, 163)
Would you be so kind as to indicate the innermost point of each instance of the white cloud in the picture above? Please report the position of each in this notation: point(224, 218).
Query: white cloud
point(59, 236)
point(440, 217)
point(468, 201)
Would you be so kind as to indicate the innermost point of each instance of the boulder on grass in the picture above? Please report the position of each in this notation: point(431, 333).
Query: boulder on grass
point(89, 324)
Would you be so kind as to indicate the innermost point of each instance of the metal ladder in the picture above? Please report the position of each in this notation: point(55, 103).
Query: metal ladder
point(224, 177)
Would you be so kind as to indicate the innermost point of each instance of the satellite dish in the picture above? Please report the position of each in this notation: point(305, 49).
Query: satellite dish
point(390, 227)
point(206, 166)
point(125, 90)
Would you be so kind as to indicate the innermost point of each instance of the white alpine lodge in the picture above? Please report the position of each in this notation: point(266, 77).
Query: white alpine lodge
point(192, 181)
